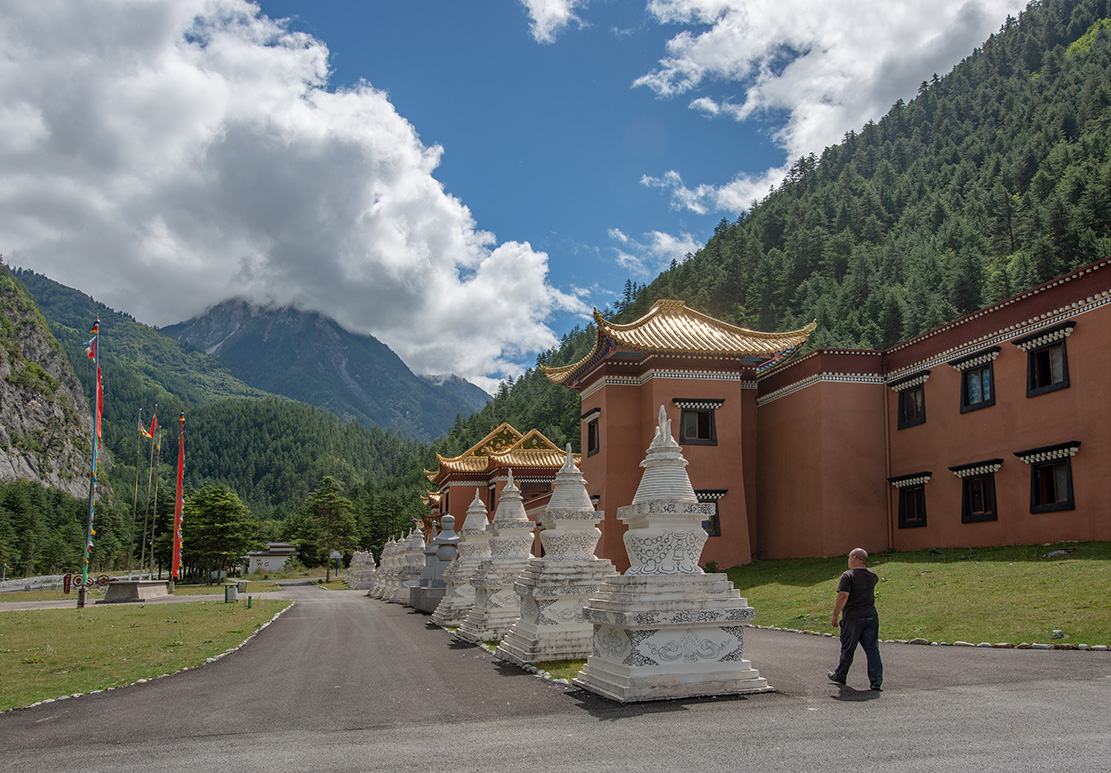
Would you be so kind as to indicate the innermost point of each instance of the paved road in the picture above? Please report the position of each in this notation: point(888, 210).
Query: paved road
point(344, 682)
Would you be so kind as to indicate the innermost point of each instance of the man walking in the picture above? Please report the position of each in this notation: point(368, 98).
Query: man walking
point(860, 623)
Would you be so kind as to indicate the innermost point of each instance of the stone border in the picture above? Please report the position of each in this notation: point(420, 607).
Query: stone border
point(213, 659)
point(997, 645)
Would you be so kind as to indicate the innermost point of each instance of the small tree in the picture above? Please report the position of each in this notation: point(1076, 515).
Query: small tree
point(216, 530)
point(336, 514)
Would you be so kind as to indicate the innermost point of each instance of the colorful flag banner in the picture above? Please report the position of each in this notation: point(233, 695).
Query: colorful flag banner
point(175, 563)
point(143, 430)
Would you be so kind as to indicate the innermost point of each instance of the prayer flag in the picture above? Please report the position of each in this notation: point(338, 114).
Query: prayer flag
point(143, 430)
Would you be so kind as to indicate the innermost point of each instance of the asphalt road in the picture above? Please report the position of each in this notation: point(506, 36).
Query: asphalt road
point(342, 682)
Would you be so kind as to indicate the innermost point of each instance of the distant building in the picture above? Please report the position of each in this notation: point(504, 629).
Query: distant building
point(993, 429)
point(273, 559)
point(484, 468)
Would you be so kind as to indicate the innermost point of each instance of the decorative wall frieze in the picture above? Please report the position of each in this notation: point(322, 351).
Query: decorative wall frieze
point(697, 405)
point(975, 360)
point(1055, 333)
point(1049, 453)
point(973, 469)
point(817, 378)
point(913, 479)
point(1012, 333)
point(909, 382)
point(701, 375)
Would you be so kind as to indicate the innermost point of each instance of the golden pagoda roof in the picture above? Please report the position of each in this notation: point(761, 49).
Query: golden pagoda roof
point(670, 327)
point(503, 447)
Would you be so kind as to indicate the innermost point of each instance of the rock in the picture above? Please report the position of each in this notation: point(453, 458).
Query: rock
point(1004, 645)
point(919, 640)
point(963, 644)
point(1039, 646)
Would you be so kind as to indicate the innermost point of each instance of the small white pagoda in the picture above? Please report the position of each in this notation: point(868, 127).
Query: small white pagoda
point(474, 548)
point(666, 629)
point(496, 605)
point(552, 589)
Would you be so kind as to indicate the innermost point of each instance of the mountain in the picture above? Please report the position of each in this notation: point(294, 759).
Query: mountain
point(45, 424)
point(308, 357)
point(995, 178)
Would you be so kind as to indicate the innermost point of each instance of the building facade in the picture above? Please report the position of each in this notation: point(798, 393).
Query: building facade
point(993, 429)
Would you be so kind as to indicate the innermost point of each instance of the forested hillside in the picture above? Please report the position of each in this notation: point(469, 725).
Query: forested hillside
point(992, 180)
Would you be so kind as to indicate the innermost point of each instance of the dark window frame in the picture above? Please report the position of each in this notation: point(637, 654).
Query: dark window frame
point(711, 496)
point(902, 421)
point(978, 485)
point(912, 498)
point(701, 408)
point(593, 442)
point(1058, 455)
point(1057, 335)
point(1034, 368)
point(973, 366)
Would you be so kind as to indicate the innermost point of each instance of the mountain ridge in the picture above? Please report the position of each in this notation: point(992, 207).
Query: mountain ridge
point(319, 362)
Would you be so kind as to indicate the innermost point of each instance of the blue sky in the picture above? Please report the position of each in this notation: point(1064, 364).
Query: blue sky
point(463, 179)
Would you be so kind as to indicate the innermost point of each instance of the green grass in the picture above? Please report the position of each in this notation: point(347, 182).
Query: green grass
point(49, 653)
point(999, 594)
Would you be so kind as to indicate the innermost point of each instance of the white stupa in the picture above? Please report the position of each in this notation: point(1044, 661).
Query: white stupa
point(474, 548)
point(552, 589)
point(665, 629)
point(496, 606)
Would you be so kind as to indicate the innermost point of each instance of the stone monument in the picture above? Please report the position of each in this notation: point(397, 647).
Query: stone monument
point(665, 629)
point(552, 589)
point(361, 571)
point(496, 605)
point(387, 572)
point(438, 555)
point(474, 548)
point(410, 564)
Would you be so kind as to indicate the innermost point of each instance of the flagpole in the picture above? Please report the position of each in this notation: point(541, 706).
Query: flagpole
point(93, 350)
point(175, 555)
point(146, 512)
point(154, 506)
point(135, 498)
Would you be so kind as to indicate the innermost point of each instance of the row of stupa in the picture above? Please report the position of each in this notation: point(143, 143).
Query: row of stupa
point(664, 629)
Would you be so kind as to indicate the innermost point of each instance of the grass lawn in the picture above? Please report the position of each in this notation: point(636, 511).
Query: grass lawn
point(999, 594)
point(54, 652)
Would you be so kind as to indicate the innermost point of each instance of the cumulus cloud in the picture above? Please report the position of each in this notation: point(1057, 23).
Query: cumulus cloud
point(164, 156)
point(646, 257)
point(551, 17)
point(827, 67)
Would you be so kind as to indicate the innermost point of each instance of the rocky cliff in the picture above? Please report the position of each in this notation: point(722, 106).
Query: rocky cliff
point(45, 423)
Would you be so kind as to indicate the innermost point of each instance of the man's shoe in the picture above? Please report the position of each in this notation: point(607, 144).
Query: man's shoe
point(834, 678)
point(877, 688)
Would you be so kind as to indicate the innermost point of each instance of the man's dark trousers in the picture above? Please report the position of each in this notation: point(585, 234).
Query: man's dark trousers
point(864, 631)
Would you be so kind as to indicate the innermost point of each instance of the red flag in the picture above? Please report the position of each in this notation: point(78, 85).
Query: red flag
point(175, 563)
point(99, 402)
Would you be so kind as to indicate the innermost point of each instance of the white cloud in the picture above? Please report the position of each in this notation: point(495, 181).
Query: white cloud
point(164, 156)
point(830, 67)
point(551, 17)
point(646, 257)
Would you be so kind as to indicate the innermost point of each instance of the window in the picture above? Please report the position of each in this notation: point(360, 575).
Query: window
point(1050, 476)
point(912, 399)
point(1047, 361)
point(593, 436)
point(978, 490)
point(711, 496)
point(696, 422)
point(912, 498)
point(977, 379)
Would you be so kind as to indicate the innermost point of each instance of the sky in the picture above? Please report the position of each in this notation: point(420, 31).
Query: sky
point(463, 179)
